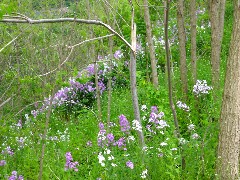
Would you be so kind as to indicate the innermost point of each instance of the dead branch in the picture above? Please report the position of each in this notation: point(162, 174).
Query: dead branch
point(58, 20)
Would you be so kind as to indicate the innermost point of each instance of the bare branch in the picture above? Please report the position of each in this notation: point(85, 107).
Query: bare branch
point(84, 21)
point(5, 102)
point(72, 48)
point(14, 39)
point(88, 40)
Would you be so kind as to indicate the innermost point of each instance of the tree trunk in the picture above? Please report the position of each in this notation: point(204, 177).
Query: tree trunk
point(216, 13)
point(134, 83)
point(182, 46)
point(229, 137)
point(193, 18)
point(150, 44)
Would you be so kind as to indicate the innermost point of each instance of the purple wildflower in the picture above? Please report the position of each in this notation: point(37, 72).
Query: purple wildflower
point(121, 142)
point(14, 176)
point(34, 113)
point(101, 126)
point(154, 109)
point(101, 86)
point(100, 57)
point(101, 135)
point(90, 69)
point(125, 127)
point(69, 162)
point(3, 163)
point(19, 124)
point(130, 164)
point(118, 54)
point(8, 151)
point(110, 138)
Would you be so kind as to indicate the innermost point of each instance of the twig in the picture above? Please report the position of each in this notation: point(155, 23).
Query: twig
point(53, 172)
point(14, 39)
point(5, 102)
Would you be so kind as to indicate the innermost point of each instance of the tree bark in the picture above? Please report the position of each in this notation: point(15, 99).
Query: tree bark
point(216, 13)
point(229, 137)
point(193, 19)
point(134, 83)
point(150, 44)
point(182, 46)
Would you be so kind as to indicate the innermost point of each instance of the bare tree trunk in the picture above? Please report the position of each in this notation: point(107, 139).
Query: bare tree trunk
point(216, 13)
point(193, 18)
point(134, 84)
point(229, 137)
point(182, 46)
point(170, 91)
point(150, 44)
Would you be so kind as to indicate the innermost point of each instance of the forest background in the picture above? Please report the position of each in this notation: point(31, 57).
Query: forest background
point(128, 89)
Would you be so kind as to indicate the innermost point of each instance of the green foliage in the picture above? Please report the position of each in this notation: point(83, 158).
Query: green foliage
point(7, 7)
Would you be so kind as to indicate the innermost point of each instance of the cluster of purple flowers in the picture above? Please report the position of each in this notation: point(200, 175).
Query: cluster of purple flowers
point(130, 164)
point(14, 176)
point(105, 140)
point(125, 126)
point(8, 151)
point(69, 162)
point(81, 91)
point(3, 163)
point(155, 120)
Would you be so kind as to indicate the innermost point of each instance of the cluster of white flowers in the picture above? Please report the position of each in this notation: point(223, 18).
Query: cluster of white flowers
point(183, 106)
point(144, 107)
point(182, 141)
point(163, 144)
point(162, 124)
point(201, 87)
point(136, 125)
point(101, 158)
point(191, 127)
point(144, 174)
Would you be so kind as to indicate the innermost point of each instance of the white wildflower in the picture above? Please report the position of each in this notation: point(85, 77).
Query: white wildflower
point(163, 144)
point(144, 107)
point(144, 174)
point(191, 127)
point(195, 136)
point(136, 125)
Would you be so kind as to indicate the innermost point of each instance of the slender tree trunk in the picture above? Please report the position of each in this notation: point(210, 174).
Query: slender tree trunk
point(110, 81)
point(216, 13)
point(170, 90)
point(150, 44)
point(229, 137)
point(193, 18)
point(133, 81)
point(182, 46)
